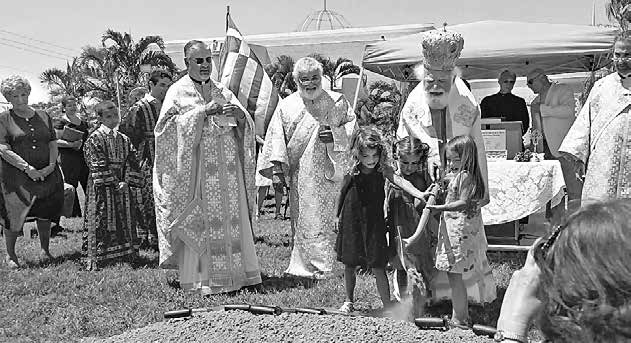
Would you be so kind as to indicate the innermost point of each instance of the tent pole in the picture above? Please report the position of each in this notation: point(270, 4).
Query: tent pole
point(359, 84)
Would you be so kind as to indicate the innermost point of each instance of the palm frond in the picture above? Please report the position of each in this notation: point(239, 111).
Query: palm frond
point(144, 42)
point(54, 78)
point(618, 10)
point(117, 37)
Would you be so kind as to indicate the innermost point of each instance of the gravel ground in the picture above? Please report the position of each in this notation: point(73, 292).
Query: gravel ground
point(241, 326)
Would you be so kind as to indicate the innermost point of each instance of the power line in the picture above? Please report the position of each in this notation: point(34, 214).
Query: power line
point(13, 68)
point(36, 40)
point(35, 47)
point(33, 51)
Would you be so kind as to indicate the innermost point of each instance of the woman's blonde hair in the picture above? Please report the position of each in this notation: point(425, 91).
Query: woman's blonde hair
point(14, 83)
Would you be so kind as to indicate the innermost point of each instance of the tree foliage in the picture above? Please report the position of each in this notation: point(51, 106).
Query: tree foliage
point(620, 11)
point(334, 70)
point(381, 108)
point(119, 60)
point(65, 82)
point(100, 70)
point(280, 74)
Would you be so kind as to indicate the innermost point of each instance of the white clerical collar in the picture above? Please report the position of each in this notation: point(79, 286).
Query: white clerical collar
point(201, 83)
point(107, 130)
point(149, 97)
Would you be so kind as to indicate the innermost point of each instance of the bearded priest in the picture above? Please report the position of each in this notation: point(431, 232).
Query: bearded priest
point(307, 145)
point(439, 108)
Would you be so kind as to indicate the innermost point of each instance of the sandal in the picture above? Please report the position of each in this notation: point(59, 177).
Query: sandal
point(13, 265)
point(347, 307)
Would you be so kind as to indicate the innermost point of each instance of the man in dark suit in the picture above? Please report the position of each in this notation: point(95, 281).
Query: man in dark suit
point(504, 104)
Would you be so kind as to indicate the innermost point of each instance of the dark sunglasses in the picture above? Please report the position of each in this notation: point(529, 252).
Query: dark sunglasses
point(531, 81)
point(508, 81)
point(200, 60)
point(541, 251)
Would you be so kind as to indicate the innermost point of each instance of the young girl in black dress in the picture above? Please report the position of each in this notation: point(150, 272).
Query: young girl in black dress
point(361, 238)
point(403, 215)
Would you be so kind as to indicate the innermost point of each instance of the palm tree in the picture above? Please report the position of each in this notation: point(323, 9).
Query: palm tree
point(335, 70)
point(619, 10)
point(280, 74)
point(120, 63)
point(68, 82)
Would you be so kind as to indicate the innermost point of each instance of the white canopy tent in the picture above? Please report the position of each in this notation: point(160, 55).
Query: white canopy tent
point(490, 46)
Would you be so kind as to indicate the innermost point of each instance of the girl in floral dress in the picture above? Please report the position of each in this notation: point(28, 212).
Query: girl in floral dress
point(461, 246)
point(361, 238)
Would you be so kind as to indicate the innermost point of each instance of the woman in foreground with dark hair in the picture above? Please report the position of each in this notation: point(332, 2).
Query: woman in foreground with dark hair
point(577, 280)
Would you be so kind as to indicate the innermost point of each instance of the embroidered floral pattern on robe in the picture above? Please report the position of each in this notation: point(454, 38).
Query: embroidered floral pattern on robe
point(138, 126)
point(204, 190)
point(109, 224)
point(292, 140)
point(601, 138)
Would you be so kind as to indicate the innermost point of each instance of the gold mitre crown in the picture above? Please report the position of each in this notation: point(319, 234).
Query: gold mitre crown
point(441, 49)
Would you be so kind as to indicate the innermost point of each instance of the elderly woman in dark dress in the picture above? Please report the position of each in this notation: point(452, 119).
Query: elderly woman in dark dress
point(71, 156)
point(31, 184)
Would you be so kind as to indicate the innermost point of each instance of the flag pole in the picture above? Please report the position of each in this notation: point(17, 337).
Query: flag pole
point(359, 84)
point(118, 94)
point(227, 16)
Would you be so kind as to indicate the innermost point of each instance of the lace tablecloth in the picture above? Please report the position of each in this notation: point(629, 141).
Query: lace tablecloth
point(519, 189)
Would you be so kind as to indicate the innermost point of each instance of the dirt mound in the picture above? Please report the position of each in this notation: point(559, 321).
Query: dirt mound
point(239, 326)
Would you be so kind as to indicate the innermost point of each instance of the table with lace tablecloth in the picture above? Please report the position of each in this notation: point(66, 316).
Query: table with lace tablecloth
point(519, 189)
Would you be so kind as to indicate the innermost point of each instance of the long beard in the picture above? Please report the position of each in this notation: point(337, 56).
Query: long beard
point(310, 95)
point(436, 102)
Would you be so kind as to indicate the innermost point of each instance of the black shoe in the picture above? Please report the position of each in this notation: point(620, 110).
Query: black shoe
point(55, 230)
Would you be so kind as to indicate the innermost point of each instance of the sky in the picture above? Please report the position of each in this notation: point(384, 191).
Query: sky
point(55, 31)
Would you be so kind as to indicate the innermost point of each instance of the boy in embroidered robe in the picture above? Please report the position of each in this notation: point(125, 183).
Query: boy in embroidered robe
point(109, 225)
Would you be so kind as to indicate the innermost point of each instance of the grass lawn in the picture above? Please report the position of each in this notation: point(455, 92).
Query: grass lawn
point(62, 302)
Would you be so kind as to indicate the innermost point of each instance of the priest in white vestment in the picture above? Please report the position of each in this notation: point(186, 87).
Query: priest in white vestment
point(307, 147)
point(204, 182)
point(440, 108)
point(599, 142)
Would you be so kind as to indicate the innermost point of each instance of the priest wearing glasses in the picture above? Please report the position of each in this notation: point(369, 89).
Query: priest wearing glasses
point(203, 182)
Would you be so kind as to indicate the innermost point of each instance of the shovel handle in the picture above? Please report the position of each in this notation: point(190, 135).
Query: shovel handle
point(310, 310)
point(178, 313)
point(254, 309)
point(431, 323)
point(483, 330)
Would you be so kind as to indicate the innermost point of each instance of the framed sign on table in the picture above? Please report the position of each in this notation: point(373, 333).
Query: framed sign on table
point(512, 136)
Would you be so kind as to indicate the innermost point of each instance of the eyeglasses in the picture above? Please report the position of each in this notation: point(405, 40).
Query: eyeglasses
point(508, 81)
point(200, 60)
point(541, 251)
point(532, 80)
point(621, 59)
point(306, 80)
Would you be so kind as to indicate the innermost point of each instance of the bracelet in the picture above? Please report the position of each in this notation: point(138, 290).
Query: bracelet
point(26, 168)
point(502, 336)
